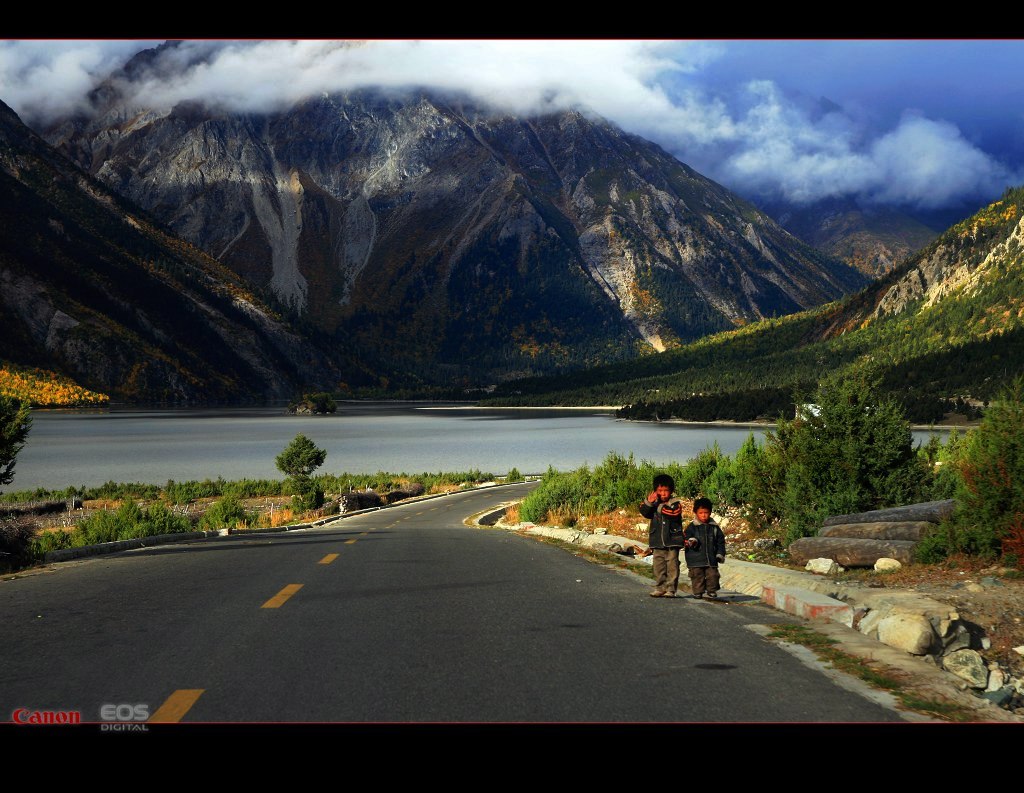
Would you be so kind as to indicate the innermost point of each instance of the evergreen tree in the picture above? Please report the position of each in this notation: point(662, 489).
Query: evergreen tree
point(298, 460)
point(847, 450)
point(989, 515)
point(15, 422)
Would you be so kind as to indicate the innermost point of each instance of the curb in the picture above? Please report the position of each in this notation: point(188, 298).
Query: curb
point(64, 554)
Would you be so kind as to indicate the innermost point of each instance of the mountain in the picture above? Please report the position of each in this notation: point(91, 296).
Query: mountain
point(872, 239)
point(943, 330)
point(93, 288)
point(448, 242)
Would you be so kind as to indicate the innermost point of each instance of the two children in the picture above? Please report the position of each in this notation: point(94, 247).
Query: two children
point(702, 539)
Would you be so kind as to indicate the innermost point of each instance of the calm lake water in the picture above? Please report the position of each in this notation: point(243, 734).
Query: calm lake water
point(88, 448)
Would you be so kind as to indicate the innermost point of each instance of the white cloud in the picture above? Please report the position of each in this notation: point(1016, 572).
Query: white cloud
point(42, 79)
point(930, 164)
point(780, 150)
point(522, 76)
point(759, 141)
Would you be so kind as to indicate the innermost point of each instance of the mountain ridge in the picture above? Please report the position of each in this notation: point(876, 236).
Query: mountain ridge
point(95, 289)
point(502, 245)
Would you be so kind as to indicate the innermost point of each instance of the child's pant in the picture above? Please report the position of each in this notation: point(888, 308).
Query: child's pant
point(666, 569)
point(703, 579)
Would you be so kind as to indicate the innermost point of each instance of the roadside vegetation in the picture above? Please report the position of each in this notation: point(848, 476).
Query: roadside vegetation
point(34, 522)
point(849, 449)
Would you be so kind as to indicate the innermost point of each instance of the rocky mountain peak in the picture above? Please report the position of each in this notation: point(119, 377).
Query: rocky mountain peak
point(501, 244)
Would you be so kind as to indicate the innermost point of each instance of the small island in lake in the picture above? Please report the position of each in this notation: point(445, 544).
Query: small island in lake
point(313, 403)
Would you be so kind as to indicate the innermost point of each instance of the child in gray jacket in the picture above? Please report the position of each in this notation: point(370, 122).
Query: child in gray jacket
point(705, 550)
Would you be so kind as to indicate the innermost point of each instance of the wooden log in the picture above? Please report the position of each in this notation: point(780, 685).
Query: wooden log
point(933, 511)
point(912, 530)
point(851, 552)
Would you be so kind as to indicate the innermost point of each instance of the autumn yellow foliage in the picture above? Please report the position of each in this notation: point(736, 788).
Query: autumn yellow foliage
point(42, 388)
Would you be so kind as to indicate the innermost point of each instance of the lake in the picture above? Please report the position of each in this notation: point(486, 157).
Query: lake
point(90, 447)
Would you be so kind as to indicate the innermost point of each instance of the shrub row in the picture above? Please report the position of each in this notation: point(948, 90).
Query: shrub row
point(185, 492)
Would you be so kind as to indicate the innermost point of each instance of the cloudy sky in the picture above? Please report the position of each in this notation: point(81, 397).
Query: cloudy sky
point(923, 124)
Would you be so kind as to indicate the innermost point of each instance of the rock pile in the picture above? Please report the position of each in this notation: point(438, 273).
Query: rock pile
point(884, 539)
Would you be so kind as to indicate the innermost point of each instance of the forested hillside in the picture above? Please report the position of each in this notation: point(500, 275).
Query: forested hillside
point(947, 325)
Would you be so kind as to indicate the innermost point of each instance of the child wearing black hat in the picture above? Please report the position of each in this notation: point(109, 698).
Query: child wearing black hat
point(665, 534)
point(705, 550)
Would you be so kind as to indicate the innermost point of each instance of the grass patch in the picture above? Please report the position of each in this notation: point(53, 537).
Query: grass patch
point(824, 648)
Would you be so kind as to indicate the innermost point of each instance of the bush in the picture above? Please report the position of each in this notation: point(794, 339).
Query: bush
point(988, 520)
point(616, 483)
point(690, 480)
point(307, 494)
point(226, 514)
point(253, 488)
point(120, 491)
point(42, 544)
point(556, 492)
point(128, 522)
point(513, 475)
point(15, 535)
point(185, 492)
point(722, 485)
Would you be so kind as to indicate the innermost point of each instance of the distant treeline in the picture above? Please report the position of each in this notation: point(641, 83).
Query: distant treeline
point(767, 404)
point(746, 405)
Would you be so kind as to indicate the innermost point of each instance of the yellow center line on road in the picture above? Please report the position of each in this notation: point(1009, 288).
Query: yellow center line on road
point(177, 705)
point(328, 559)
point(349, 542)
point(281, 597)
point(363, 534)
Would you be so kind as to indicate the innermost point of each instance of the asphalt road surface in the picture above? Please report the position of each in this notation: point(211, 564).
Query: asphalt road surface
point(399, 615)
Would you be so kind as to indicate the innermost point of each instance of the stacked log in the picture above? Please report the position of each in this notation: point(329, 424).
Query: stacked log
point(931, 511)
point(861, 539)
point(912, 530)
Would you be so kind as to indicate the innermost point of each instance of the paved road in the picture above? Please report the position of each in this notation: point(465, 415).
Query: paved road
point(399, 615)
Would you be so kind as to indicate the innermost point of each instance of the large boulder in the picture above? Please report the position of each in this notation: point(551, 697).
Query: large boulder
point(910, 632)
